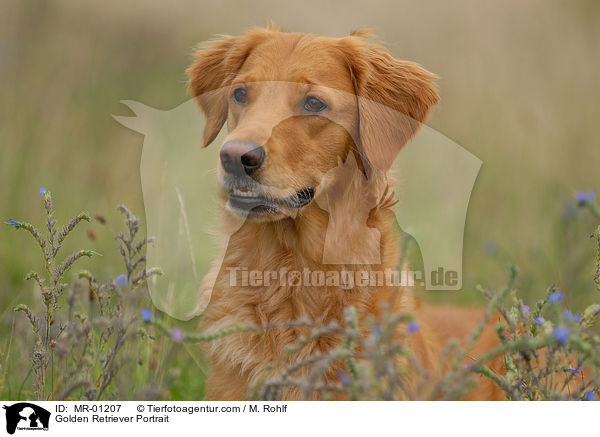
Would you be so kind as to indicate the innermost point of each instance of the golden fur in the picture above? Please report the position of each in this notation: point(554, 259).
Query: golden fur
point(377, 104)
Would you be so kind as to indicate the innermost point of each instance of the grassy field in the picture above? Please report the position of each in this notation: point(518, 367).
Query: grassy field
point(519, 90)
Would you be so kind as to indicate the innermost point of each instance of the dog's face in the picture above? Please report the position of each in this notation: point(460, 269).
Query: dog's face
point(287, 127)
point(295, 104)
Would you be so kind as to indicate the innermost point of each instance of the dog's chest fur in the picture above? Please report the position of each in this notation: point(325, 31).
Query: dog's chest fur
point(280, 249)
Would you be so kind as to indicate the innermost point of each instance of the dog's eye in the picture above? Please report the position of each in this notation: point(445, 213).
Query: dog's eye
point(312, 104)
point(240, 96)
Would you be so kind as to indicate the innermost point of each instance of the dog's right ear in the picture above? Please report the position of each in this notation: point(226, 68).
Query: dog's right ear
point(207, 81)
point(214, 66)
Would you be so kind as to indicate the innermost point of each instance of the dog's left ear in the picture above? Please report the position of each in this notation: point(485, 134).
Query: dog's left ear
point(213, 68)
point(394, 99)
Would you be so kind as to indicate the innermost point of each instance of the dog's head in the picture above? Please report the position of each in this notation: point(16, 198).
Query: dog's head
point(294, 105)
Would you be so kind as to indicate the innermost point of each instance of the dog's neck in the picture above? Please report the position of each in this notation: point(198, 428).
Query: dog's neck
point(350, 233)
point(330, 242)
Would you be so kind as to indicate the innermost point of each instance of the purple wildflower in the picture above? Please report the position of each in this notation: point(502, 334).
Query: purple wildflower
point(539, 320)
point(376, 331)
point(13, 223)
point(146, 315)
point(43, 191)
point(489, 247)
point(572, 317)
point(121, 280)
point(561, 334)
point(590, 396)
point(177, 335)
point(574, 370)
point(525, 310)
point(413, 327)
point(556, 297)
point(345, 380)
point(521, 385)
point(584, 198)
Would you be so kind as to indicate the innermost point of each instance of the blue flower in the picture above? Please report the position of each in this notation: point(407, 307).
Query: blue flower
point(539, 320)
point(121, 280)
point(572, 317)
point(584, 198)
point(489, 247)
point(345, 380)
point(574, 370)
point(590, 396)
point(43, 191)
point(146, 315)
point(413, 327)
point(525, 310)
point(13, 223)
point(376, 331)
point(556, 297)
point(561, 334)
point(521, 385)
point(177, 335)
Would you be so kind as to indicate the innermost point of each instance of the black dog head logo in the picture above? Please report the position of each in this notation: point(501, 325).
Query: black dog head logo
point(27, 416)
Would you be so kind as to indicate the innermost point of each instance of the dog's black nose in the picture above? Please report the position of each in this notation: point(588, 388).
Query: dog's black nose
point(241, 157)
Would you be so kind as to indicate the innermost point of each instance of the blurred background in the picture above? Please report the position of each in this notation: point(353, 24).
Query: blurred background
point(519, 88)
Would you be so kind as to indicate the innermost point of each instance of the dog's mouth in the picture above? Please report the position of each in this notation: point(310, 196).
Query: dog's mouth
point(253, 202)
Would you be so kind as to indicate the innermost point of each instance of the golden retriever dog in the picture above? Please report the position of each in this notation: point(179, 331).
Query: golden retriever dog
point(298, 108)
